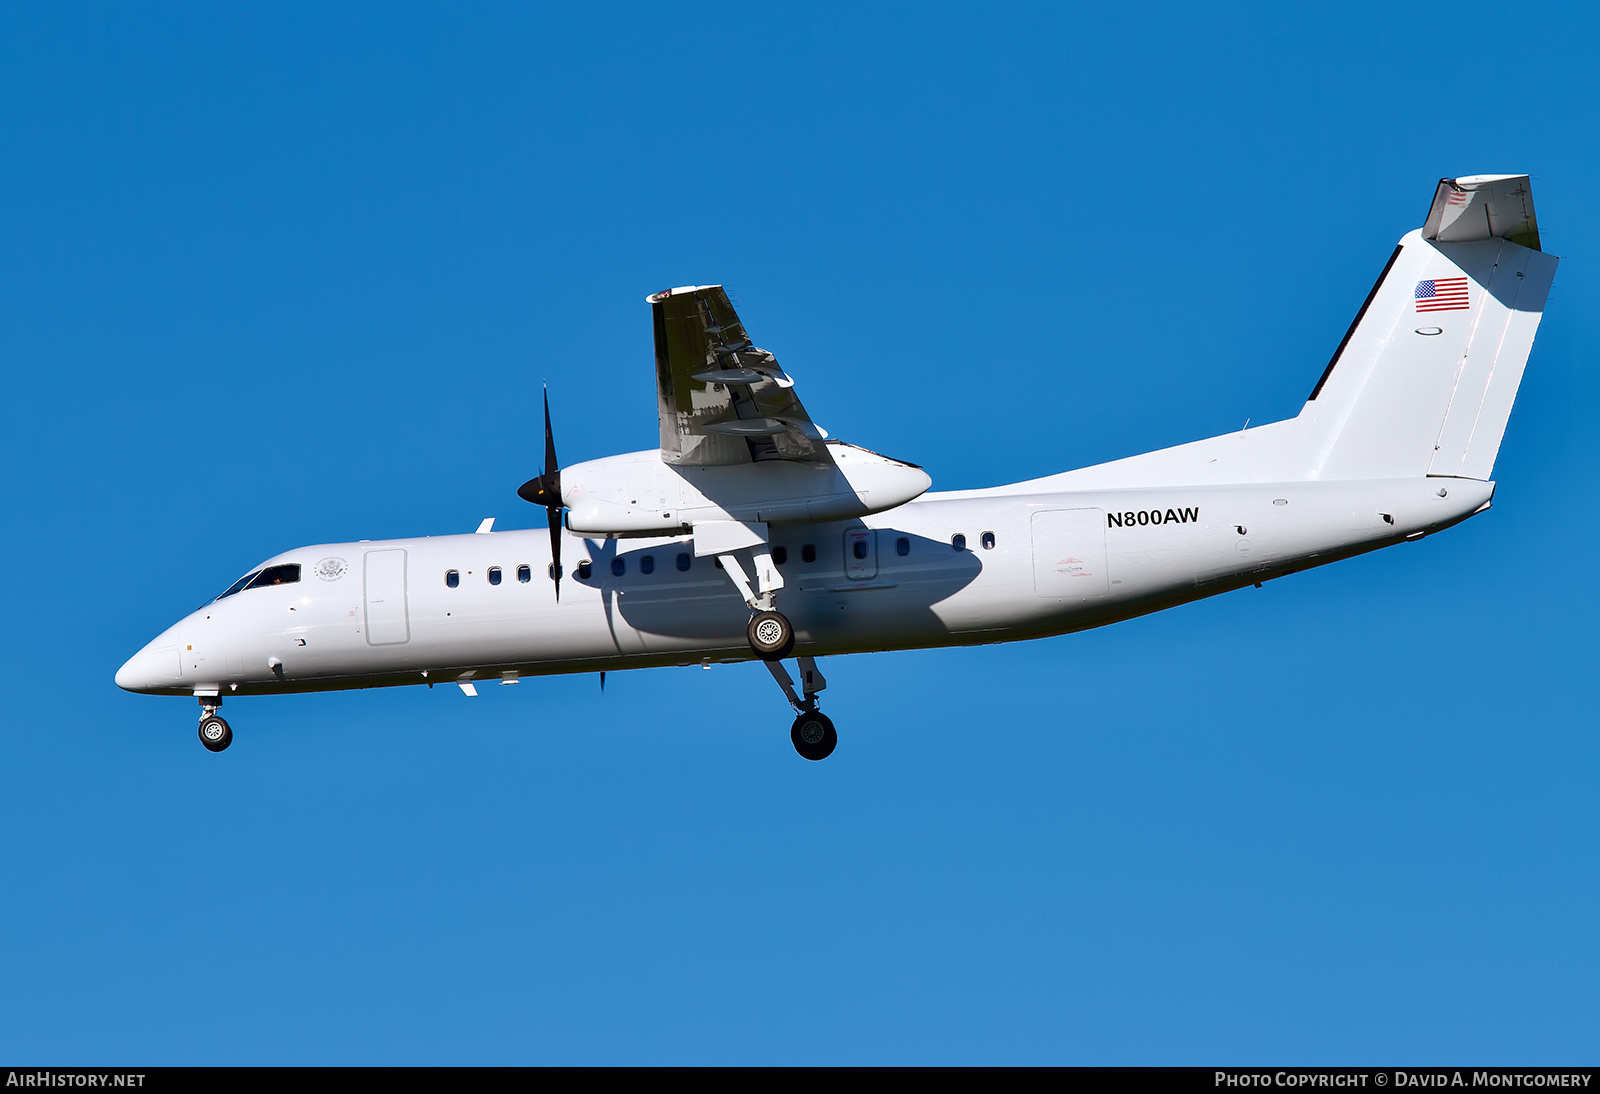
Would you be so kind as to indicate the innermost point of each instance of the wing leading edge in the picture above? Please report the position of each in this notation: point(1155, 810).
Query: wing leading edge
point(722, 400)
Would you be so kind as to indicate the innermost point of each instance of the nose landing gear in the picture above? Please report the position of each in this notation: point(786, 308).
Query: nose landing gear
point(215, 734)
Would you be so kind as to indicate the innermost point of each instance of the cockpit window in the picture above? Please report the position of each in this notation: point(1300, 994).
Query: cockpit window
point(241, 583)
point(287, 574)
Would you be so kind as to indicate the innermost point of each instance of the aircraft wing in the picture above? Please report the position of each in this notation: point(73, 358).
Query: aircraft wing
point(723, 401)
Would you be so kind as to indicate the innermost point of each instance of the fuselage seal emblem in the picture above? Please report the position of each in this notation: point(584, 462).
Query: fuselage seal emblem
point(331, 569)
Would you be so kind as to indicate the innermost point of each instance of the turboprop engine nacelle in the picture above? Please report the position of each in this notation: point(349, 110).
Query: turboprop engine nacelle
point(638, 494)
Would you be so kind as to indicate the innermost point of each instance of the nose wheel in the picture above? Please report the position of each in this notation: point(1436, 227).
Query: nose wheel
point(215, 733)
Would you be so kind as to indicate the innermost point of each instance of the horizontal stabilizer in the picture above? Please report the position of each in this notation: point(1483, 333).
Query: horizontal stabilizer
point(1482, 207)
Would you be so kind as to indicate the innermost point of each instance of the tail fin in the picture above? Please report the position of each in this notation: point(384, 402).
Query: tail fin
point(1424, 380)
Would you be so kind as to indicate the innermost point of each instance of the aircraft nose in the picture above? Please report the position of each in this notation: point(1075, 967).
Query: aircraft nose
point(155, 666)
point(129, 675)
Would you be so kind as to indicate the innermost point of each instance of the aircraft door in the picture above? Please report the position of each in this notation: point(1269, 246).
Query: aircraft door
point(1069, 553)
point(860, 554)
point(385, 590)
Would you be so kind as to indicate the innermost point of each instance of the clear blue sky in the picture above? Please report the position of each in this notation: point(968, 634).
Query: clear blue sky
point(279, 275)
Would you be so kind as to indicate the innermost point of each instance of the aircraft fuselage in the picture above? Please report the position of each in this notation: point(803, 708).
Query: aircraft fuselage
point(385, 613)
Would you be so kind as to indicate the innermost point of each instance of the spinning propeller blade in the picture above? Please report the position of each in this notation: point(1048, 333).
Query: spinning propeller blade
point(546, 491)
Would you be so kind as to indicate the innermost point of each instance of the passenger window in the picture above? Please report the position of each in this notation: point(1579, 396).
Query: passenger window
point(958, 541)
point(860, 548)
point(585, 568)
point(524, 573)
point(684, 561)
point(554, 571)
point(647, 564)
point(988, 541)
point(808, 553)
point(619, 566)
point(452, 578)
point(902, 546)
point(287, 574)
point(780, 555)
point(494, 575)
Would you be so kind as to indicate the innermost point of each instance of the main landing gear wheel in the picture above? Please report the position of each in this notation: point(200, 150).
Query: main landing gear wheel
point(770, 635)
point(215, 734)
point(813, 735)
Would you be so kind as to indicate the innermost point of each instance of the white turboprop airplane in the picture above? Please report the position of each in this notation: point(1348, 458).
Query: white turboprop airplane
point(685, 554)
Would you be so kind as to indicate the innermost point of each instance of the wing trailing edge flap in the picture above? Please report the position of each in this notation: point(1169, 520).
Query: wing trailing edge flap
point(721, 399)
point(1483, 207)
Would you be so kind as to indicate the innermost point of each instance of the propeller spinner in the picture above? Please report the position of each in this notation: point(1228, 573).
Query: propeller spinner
point(546, 491)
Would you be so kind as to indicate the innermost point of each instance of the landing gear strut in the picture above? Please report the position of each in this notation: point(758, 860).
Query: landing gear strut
point(812, 733)
point(215, 734)
point(770, 633)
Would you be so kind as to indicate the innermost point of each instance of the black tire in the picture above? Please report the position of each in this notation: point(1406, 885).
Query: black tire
point(215, 734)
point(770, 635)
point(813, 736)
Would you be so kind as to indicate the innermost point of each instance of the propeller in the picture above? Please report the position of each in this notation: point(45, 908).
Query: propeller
point(546, 491)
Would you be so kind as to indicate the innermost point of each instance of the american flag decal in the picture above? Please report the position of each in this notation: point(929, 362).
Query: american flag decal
point(1442, 294)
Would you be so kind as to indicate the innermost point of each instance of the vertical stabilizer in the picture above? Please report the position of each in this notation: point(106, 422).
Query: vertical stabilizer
point(1424, 380)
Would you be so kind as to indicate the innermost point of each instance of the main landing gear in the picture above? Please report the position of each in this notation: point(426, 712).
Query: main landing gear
point(812, 733)
point(771, 635)
point(215, 733)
